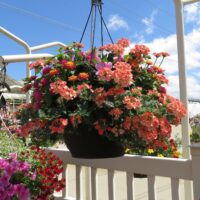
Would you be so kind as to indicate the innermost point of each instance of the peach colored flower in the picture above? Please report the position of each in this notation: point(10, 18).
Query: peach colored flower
point(123, 42)
point(122, 74)
point(58, 125)
point(105, 74)
point(131, 103)
point(100, 96)
point(60, 87)
point(165, 128)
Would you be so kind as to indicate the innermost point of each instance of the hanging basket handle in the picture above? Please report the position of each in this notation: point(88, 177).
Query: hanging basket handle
point(97, 2)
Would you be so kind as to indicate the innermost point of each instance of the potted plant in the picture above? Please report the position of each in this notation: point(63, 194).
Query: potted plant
point(112, 96)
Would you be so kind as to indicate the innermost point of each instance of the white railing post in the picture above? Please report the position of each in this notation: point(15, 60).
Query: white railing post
point(195, 152)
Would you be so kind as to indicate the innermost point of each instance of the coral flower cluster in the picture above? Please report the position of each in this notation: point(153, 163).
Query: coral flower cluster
point(117, 89)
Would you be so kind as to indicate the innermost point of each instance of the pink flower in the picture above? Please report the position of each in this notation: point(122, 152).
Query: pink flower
point(103, 65)
point(13, 156)
point(33, 176)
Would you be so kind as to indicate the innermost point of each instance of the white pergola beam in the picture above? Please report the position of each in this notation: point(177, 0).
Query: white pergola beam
point(185, 2)
point(25, 57)
point(47, 45)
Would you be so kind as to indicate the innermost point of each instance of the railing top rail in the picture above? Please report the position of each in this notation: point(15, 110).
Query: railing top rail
point(167, 167)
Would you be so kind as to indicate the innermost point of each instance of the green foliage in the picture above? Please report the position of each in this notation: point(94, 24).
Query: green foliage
point(9, 144)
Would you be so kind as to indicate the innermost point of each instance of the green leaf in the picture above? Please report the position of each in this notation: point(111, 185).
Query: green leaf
point(109, 104)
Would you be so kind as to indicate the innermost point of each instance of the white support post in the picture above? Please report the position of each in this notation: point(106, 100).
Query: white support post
point(27, 49)
point(182, 74)
point(195, 152)
point(183, 86)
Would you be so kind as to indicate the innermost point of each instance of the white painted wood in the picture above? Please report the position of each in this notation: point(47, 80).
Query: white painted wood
point(135, 164)
point(25, 57)
point(93, 183)
point(151, 187)
point(78, 182)
point(152, 166)
point(130, 186)
point(175, 189)
point(195, 151)
point(86, 183)
point(47, 45)
point(183, 86)
point(64, 175)
point(111, 184)
point(185, 2)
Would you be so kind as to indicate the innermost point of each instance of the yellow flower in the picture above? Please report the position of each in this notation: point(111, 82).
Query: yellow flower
point(127, 150)
point(150, 151)
point(149, 62)
point(160, 155)
point(176, 154)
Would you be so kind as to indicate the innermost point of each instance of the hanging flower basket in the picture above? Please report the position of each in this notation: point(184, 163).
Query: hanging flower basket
point(119, 98)
point(89, 144)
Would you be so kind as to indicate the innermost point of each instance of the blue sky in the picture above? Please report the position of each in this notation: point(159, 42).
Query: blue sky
point(142, 21)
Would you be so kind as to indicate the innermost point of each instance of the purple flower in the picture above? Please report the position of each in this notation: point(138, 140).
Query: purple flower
point(11, 191)
point(24, 166)
point(37, 95)
point(3, 163)
point(46, 70)
point(23, 192)
point(3, 194)
point(44, 81)
point(10, 169)
point(103, 64)
point(4, 180)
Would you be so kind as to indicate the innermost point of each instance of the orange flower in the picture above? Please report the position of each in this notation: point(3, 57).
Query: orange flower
point(70, 65)
point(83, 76)
point(72, 78)
point(54, 72)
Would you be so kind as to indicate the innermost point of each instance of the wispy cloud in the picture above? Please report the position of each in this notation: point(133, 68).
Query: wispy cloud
point(116, 22)
point(192, 52)
point(138, 38)
point(192, 13)
point(149, 22)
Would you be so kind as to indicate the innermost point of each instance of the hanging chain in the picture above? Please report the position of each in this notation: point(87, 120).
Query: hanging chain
point(96, 6)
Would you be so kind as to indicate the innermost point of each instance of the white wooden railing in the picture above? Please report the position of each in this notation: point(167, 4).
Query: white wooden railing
point(175, 169)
